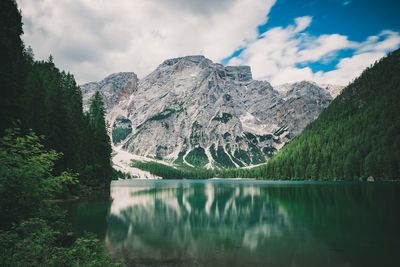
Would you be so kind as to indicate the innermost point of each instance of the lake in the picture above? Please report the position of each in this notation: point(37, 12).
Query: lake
point(246, 223)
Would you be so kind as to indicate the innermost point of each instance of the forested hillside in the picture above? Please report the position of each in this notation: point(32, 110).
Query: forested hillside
point(49, 149)
point(36, 95)
point(357, 136)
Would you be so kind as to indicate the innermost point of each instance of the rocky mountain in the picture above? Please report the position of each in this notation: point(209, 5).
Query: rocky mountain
point(333, 90)
point(199, 113)
point(113, 88)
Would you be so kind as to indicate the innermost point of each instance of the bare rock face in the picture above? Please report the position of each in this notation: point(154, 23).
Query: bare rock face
point(333, 90)
point(196, 112)
point(113, 88)
point(304, 101)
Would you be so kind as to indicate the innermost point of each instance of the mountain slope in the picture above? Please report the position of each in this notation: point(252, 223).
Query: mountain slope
point(333, 90)
point(199, 113)
point(357, 136)
point(113, 88)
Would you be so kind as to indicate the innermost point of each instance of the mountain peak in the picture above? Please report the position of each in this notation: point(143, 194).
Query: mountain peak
point(305, 86)
point(194, 59)
point(121, 75)
point(305, 82)
point(199, 63)
point(197, 112)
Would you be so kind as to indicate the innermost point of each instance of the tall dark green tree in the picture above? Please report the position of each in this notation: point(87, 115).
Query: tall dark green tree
point(102, 151)
point(38, 96)
point(11, 48)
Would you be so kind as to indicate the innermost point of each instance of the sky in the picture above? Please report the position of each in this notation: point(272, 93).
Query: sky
point(326, 41)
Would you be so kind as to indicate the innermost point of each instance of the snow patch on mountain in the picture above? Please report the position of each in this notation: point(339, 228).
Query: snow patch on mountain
point(122, 161)
point(195, 112)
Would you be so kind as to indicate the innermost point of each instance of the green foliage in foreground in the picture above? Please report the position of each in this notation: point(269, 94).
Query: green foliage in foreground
point(357, 136)
point(35, 243)
point(26, 178)
point(168, 172)
point(32, 229)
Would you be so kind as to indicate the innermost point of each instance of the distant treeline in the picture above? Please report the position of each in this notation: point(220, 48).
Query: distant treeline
point(169, 172)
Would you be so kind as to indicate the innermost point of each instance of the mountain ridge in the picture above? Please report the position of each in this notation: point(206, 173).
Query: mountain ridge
point(198, 113)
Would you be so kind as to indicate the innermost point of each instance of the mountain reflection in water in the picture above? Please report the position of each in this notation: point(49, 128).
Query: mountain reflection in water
point(242, 223)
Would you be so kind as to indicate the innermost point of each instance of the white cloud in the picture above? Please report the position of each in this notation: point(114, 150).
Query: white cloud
point(277, 55)
point(323, 45)
point(385, 41)
point(348, 68)
point(302, 23)
point(93, 38)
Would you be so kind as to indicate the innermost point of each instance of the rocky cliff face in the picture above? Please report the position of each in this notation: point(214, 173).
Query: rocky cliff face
point(333, 90)
point(113, 88)
point(199, 113)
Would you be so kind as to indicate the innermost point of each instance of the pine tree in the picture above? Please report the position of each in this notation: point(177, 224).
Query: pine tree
point(49, 102)
point(102, 151)
point(11, 48)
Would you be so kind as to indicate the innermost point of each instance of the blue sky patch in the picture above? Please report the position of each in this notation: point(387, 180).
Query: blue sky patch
point(356, 19)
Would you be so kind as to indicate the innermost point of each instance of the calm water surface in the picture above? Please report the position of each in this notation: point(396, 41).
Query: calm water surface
point(247, 223)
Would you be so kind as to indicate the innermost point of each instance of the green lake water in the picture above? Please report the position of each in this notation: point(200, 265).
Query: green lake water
point(246, 223)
